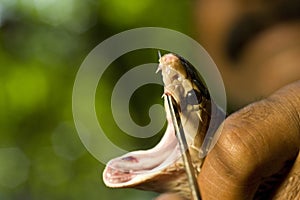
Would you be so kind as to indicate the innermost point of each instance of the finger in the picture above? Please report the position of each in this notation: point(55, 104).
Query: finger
point(255, 143)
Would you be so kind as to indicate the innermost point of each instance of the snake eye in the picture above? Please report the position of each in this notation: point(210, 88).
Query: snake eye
point(193, 97)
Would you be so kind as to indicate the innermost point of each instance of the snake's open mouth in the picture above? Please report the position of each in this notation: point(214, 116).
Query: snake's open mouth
point(135, 167)
point(138, 166)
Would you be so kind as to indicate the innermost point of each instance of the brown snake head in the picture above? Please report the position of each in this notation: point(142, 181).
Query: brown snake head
point(161, 168)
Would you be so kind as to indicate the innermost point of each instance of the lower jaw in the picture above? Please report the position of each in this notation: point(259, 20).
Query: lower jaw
point(130, 169)
point(167, 171)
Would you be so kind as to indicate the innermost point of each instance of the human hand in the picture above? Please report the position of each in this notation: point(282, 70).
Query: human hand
point(256, 143)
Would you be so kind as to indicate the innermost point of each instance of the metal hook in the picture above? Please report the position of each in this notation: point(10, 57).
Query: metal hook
point(184, 149)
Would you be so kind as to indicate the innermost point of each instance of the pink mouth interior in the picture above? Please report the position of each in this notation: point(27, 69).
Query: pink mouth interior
point(127, 167)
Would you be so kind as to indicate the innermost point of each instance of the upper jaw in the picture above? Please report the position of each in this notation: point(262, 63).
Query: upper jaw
point(174, 77)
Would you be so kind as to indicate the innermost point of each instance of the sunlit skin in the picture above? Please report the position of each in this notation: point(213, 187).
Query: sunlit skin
point(263, 90)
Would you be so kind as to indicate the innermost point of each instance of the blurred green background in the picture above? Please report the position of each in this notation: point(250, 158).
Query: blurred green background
point(42, 45)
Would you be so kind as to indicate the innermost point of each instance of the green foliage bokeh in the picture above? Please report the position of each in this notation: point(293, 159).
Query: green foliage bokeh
point(42, 45)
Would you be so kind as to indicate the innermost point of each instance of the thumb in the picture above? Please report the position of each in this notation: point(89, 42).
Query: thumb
point(255, 143)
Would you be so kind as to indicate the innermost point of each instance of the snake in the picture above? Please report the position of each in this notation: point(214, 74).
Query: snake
point(161, 168)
